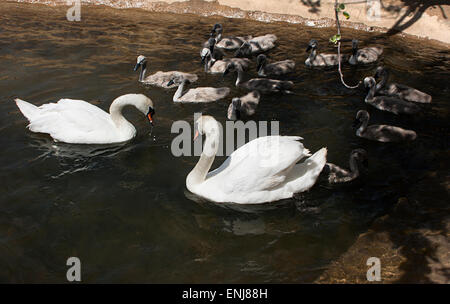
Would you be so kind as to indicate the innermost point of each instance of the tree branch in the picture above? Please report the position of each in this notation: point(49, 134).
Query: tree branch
point(338, 25)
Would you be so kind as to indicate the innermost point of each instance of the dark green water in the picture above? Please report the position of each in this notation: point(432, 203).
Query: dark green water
point(124, 210)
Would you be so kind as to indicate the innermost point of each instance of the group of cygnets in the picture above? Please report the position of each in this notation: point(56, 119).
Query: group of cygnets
point(245, 177)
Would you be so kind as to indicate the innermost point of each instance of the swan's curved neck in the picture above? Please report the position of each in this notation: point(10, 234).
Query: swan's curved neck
point(209, 62)
point(210, 148)
point(240, 75)
point(313, 54)
point(362, 128)
point(142, 73)
point(261, 68)
point(115, 111)
point(353, 165)
point(371, 93)
point(179, 92)
point(384, 77)
point(219, 37)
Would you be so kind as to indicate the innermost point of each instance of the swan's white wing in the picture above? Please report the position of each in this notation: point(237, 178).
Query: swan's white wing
point(258, 165)
point(71, 120)
point(304, 175)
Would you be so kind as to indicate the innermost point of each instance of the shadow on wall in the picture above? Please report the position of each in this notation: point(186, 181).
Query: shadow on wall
point(314, 5)
point(416, 8)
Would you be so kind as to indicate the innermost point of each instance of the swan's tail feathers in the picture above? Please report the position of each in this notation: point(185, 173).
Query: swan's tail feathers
point(27, 109)
point(306, 152)
point(304, 175)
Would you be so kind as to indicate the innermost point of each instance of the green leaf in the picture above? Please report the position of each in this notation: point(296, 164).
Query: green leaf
point(346, 15)
point(335, 38)
point(342, 6)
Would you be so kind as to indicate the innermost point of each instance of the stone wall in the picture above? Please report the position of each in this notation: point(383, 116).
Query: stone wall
point(428, 19)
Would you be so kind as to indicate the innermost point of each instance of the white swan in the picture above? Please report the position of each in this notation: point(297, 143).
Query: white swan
point(79, 122)
point(263, 170)
point(201, 94)
point(159, 79)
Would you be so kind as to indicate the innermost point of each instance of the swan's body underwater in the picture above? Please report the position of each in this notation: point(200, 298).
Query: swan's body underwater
point(263, 170)
point(79, 122)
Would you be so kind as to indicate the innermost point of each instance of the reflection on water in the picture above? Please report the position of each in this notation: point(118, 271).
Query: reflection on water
point(124, 210)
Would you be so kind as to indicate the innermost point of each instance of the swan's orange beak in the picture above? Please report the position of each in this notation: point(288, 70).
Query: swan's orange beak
point(149, 116)
point(150, 113)
point(196, 134)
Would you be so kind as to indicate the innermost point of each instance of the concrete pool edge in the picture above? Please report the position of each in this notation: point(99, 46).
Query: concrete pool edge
point(430, 22)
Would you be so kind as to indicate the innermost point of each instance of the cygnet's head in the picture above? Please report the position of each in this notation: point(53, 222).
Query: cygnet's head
point(360, 155)
point(369, 82)
point(178, 80)
point(141, 60)
point(312, 45)
point(260, 61)
point(234, 109)
point(361, 117)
